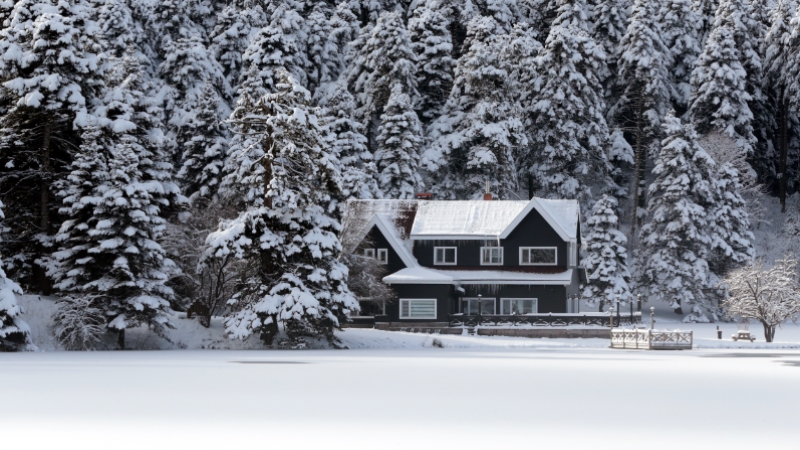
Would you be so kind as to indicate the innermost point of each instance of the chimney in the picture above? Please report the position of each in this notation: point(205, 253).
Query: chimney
point(424, 196)
point(487, 195)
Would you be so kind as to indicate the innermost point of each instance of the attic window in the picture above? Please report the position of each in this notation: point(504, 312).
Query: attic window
point(444, 256)
point(383, 255)
point(369, 252)
point(539, 256)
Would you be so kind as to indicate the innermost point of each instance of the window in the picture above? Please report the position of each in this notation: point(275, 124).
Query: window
point(475, 306)
point(418, 309)
point(519, 305)
point(369, 252)
point(491, 256)
point(371, 308)
point(573, 253)
point(545, 256)
point(383, 255)
point(444, 255)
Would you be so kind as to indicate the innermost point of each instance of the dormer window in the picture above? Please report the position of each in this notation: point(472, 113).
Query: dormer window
point(538, 256)
point(444, 256)
point(491, 256)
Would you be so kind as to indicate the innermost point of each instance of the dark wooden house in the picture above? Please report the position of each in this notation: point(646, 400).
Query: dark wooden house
point(449, 257)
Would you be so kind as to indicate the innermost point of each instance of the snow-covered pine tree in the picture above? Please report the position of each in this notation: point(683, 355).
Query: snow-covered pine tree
point(14, 332)
point(398, 143)
point(324, 58)
point(732, 240)
point(432, 45)
point(385, 60)
point(286, 229)
point(680, 25)
point(520, 55)
point(705, 11)
point(205, 148)
point(606, 257)
point(279, 45)
point(721, 95)
point(118, 28)
point(236, 24)
point(114, 202)
point(644, 83)
point(610, 18)
point(480, 135)
point(45, 99)
point(569, 130)
point(781, 47)
point(348, 145)
point(676, 240)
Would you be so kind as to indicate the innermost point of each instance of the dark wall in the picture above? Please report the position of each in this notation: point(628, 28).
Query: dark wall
point(375, 239)
point(551, 299)
point(533, 231)
point(444, 294)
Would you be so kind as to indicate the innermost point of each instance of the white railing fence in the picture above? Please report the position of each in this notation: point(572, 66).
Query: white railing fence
point(638, 338)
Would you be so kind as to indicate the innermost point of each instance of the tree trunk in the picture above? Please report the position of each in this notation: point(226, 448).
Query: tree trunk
point(602, 303)
point(121, 339)
point(783, 144)
point(638, 174)
point(44, 209)
point(270, 330)
point(769, 332)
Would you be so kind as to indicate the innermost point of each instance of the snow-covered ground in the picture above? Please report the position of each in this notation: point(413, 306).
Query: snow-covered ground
point(424, 398)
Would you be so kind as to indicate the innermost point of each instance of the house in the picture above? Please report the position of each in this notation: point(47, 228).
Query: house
point(468, 257)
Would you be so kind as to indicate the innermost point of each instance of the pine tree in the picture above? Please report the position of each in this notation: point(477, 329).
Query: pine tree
point(385, 60)
point(732, 240)
point(348, 144)
point(45, 100)
point(644, 82)
point(781, 47)
point(324, 59)
point(285, 229)
point(205, 149)
point(677, 238)
point(114, 202)
point(569, 130)
point(723, 90)
point(610, 24)
point(606, 257)
point(705, 11)
point(680, 25)
point(398, 143)
point(236, 24)
point(432, 45)
point(480, 135)
point(14, 332)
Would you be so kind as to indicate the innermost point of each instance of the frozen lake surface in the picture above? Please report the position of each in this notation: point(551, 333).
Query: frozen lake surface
point(406, 399)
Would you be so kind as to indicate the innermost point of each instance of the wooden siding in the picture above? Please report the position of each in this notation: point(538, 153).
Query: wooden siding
point(533, 231)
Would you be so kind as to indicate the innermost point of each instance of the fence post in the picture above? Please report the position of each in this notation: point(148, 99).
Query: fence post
point(652, 317)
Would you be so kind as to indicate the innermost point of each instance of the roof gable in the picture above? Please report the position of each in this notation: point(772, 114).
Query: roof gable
point(562, 215)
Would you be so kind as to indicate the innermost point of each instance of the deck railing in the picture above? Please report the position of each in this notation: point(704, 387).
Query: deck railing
point(651, 339)
point(545, 320)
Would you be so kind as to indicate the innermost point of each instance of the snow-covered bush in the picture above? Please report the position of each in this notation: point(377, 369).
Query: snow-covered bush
point(769, 295)
point(80, 323)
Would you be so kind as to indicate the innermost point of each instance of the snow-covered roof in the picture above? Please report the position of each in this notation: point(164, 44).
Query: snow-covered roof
point(470, 219)
point(359, 213)
point(562, 215)
point(420, 275)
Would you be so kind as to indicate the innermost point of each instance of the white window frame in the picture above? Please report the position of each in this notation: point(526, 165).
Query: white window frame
point(535, 304)
point(483, 299)
point(455, 256)
point(369, 253)
point(555, 250)
point(572, 254)
point(483, 249)
point(383, 255)
point(435, 308)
